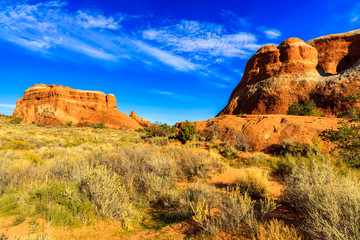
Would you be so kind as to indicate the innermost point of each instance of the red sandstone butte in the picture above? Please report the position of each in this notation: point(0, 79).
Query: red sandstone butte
point(325, 69)
point(54, 104)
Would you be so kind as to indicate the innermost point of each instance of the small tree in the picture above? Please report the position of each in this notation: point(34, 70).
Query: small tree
point(307, 108)
point(347, 135)
point(187, 132)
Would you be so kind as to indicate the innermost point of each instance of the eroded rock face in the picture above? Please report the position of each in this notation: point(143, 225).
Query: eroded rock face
point(53, 105)
point(324, 69)
point(142, 121)
point(266, 132)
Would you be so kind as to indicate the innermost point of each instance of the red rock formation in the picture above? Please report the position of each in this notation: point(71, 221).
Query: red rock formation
point(337, 52)
point(264, 132)
point(57, 104)
point(276, 77)
point(142, 121)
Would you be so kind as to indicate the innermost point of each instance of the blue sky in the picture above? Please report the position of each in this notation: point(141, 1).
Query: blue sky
point(168, 60)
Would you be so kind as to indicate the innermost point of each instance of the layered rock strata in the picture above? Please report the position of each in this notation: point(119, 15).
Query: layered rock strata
point(54, 104)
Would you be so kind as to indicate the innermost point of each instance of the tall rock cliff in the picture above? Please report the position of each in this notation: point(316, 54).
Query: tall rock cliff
point(55, 104)
point(325, 69)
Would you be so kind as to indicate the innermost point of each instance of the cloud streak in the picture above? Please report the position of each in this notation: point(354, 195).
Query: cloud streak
point(204, 39)
point(7, 105)
point(272, 33)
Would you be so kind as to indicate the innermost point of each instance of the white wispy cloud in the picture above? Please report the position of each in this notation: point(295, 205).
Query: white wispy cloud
point(177, 62)
point(272, 33)
point(89, 21)
point(165, 93)
point(7, 105)
point(203, 39)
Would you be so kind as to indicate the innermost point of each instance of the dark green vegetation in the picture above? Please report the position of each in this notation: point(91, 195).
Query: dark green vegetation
point(16, 120)
point(347, 136)
point(306, 108)
point(186, 132)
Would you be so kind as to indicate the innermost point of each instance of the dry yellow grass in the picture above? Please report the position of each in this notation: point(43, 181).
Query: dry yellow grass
point(277, 230)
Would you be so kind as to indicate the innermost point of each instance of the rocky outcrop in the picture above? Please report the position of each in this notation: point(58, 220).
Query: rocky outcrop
point(265, 132)
point(53, 105)
point(324, 69)
point(141, 121)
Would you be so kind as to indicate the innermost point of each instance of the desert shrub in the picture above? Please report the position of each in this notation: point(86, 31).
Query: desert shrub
point(69, 124)
point(131, 139)
point(298, 148)
point(283, 166)
point(150, 173)
point(234, 209)
point(160, 141)
point(178, 202)
point(254, 181)
point(260, 160)
point(195, 163)
point(306, 108)
point(108, 195)
point(186, 132)
point(60, 203)
point(229, 152)
point(268, 204)
point(5, 178)
point(277, 230)
point(16, 120)
point(226, 150)
point(74, 142)
point(32, 157)
point(239, 141)
point(330, 203)
point(68, 169)
point(16, 145)
point(97, 125)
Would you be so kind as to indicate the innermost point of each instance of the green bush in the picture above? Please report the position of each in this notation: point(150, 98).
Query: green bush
point(16, 120)
point(307, 108)
point(186, 132)
point(158, 130)
point(225, 150)
point(69, 124)
point(294, 148)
